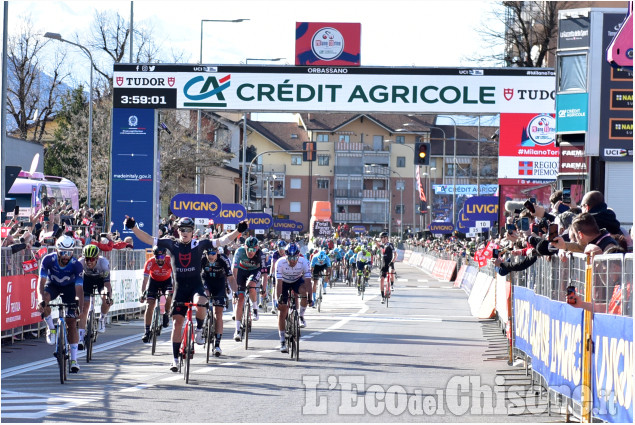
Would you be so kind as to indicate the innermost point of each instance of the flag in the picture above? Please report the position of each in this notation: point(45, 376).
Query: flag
point(42, 252)
point(5, 231)
point(29, 265)
point(422, 195)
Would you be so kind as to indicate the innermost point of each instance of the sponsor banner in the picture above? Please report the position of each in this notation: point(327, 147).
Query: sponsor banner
point(510, 191)
point(524, 167)
point(481, 208)
point(230, 214)
point(133, 164)
point(126, 287)
point(259, 221)
point(202, 205)
point(572, 160)
point(616, 101)
point(573, 33)
point(333, 89)
point(441, 227)
point(284, 225)
point(20, 298)
point(322, 229)
point(612, 368)
point(528, 135)
point(330, 44)
point(359, 229)
point(299, 226)
point(464, 189)
point(572, 113)
point(550, 332)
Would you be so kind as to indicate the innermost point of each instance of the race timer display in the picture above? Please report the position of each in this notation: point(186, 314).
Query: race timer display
point(144, 98)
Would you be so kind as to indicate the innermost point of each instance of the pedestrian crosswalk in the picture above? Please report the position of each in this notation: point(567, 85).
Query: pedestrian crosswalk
point(21, 405)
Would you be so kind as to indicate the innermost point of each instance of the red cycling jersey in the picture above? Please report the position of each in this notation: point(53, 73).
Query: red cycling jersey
point(157, 272)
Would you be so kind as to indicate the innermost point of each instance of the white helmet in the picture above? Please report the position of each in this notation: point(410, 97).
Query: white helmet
point(65, 243)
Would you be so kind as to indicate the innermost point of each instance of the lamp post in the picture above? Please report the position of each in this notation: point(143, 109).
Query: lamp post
point(453, 170)
point(414, 178)
point(58, 37)
point(197, 180)
point(401, 189)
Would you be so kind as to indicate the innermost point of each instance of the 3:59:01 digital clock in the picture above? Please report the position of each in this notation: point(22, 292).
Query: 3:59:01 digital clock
point(144, 98)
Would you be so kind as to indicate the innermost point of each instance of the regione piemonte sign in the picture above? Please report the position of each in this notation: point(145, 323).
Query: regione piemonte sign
point(334, 89)
point(527, 147)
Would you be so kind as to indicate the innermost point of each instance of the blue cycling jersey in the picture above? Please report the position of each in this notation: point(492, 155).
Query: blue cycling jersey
point(316, 261)
point(71, 274)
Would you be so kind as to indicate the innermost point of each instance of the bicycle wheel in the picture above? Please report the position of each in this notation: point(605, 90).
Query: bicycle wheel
point(189, 351)
point(210, 332)
point(60, 354)
point(156, 324)
point(287, 331)
point(88, 337)
point(296, 336)
point(291, 342)
point(247, 322)
point(319, 298)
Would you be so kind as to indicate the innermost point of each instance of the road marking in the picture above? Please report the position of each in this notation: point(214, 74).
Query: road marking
point(402, 279)
point(172, 378)
point(136, 388)
point(254, 356)
point(422, 280)
point(229, 364)
point(47, 405)
point(205, 370)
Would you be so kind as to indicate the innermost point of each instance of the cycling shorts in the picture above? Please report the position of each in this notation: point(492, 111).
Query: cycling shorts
point(362, 264)
point(385, 267)
point(91, 283)
point(286, 287)
point(68, 296)
point(156, 286)
point(242, 277)
point(317, 270)
point(185, 294)
point(217, 291)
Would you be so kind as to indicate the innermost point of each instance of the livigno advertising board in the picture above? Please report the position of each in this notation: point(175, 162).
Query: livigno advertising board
point(334, 89)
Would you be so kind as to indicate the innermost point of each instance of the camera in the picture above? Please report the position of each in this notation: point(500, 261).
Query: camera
point(495, 253)
point(566, 195)
point(530, 205)
point(523, 223)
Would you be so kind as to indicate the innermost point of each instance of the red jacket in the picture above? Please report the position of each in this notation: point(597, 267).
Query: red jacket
point(104, 246)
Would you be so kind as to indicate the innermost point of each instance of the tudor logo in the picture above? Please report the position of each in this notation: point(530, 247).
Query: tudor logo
point(185, 259)
point(171, 81)
point(119, 81)
point(508, 93)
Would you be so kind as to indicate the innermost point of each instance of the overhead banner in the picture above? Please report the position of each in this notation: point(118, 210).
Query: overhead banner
point(230, 214)
point(333, 89)
point(259, 221)
point(133, 166)
point(202, 205)
point(464, 189)
point(527, 147)
point(330, 44)
point(484, 208)
point(441, 227)
point(284, 225)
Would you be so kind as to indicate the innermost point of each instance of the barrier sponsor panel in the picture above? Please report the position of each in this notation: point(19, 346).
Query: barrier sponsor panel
point(20, 297)
point(126, 287)
point(502, 289)
point(612, 368)
point(459, 276)
point(468, 279)
point(478, 295)
point(406, 256)
point(550, 332)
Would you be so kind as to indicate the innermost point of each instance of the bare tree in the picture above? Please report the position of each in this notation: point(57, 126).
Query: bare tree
point(530, 33)
point(32, 97)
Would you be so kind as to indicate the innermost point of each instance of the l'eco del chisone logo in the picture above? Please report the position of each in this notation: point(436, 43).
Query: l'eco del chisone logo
point(202, 88)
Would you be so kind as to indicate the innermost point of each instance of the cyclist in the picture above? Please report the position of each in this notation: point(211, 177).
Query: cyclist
point(158, 270)
point(280, 252)
point(389, 254)
point(292, 272)
point(186, 253)
point(96, 275)
point(60, 272)
point(249, 266)
point(347, 260)
point(362, 260)
point(216, 270)
point(320, 264)
point(338, 252)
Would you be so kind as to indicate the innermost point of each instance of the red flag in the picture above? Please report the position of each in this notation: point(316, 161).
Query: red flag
point(85, 221)
point(29, 265)
point(488, 250)
point(42, 252)
point(5, 231)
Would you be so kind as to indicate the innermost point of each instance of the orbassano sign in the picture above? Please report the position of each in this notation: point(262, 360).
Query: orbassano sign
point(334, 89)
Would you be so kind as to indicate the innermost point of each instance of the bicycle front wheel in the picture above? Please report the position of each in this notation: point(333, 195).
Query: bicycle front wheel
point(189, 351)
point(296, 336)
point(319, 298)
point(247, 322)
point(88, 338)
point(209, 333)
point(156, 330)
point(60, 354)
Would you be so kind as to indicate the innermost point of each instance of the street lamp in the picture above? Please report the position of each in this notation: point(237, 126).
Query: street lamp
point(401, 189)
point(58, 37)
point(453, 170)
point(414, 178)
point(198, 112)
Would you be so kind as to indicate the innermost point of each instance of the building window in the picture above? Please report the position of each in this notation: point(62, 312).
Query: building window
point(323, 160)
point(345, 138)
point(294, 136)
point(322, 138)
point(401, 161)
point(400, 139)
point(296, 159)
point(400, 209)
point(295, 207)
point(295, 183)
point(323, 184)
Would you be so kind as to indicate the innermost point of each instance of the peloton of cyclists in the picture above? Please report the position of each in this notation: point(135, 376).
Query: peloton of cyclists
point(96, 275)
point(158, 270)
point(186, 254)
point(292, 273)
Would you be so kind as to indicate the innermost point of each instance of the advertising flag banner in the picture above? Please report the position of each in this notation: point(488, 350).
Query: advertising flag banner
point(29, 265)
point(230, 214)
point(330, 44)
point(202, 205)
point(259, 221)
point(422, 195)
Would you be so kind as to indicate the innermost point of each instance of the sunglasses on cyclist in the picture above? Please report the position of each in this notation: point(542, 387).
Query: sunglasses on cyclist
point(212, 252)
point(91, 258)
point(160, 257)
point(66, 253)
point(252, 249)
point(186, 229)
point(293, 258)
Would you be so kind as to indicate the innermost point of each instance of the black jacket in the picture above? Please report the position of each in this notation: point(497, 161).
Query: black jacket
point(606, 219)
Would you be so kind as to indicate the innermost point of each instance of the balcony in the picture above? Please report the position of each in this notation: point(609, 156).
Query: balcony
point(356, 170)
point(348, 217)
point(376, 170)
point(349, 193)
point(349, 147)
point(375, 194)
point(372, 218)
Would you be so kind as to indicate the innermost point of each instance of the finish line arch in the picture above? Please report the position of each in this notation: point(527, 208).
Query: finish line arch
point(139, 90)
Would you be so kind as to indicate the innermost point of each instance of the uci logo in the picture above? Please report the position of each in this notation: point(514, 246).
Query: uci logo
point(210, 87)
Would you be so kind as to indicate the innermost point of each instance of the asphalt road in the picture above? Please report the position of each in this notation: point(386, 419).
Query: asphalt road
point(424, 358)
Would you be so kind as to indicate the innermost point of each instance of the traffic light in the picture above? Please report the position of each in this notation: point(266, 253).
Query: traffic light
point(309, 151)
point(422, 153)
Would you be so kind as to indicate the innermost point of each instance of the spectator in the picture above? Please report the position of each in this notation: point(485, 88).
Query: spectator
point(585, 229)
point(593, 203)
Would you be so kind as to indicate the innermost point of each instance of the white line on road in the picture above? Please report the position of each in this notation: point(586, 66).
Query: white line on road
point(136, 388)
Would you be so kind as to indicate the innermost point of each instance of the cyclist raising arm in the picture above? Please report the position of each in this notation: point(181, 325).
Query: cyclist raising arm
point(292, 272)
point(59, 273)
point(186, 253)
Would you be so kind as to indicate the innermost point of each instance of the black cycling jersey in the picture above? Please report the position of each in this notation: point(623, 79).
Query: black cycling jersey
point(185, 258)
point(216, 271)
point(388, 252)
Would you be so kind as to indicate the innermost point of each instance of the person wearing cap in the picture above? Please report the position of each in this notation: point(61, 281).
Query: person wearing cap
point(186, 254)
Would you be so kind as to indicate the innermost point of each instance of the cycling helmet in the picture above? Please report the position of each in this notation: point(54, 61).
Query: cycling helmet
point(158, 251)
point(357, 249)
point(292, 250)
point(211, 250)
point(322, 255)
point(383, 235)
point(251, 242)
point(185, 222)
point(281, 244)
point(90, 251)
point(65, 243)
